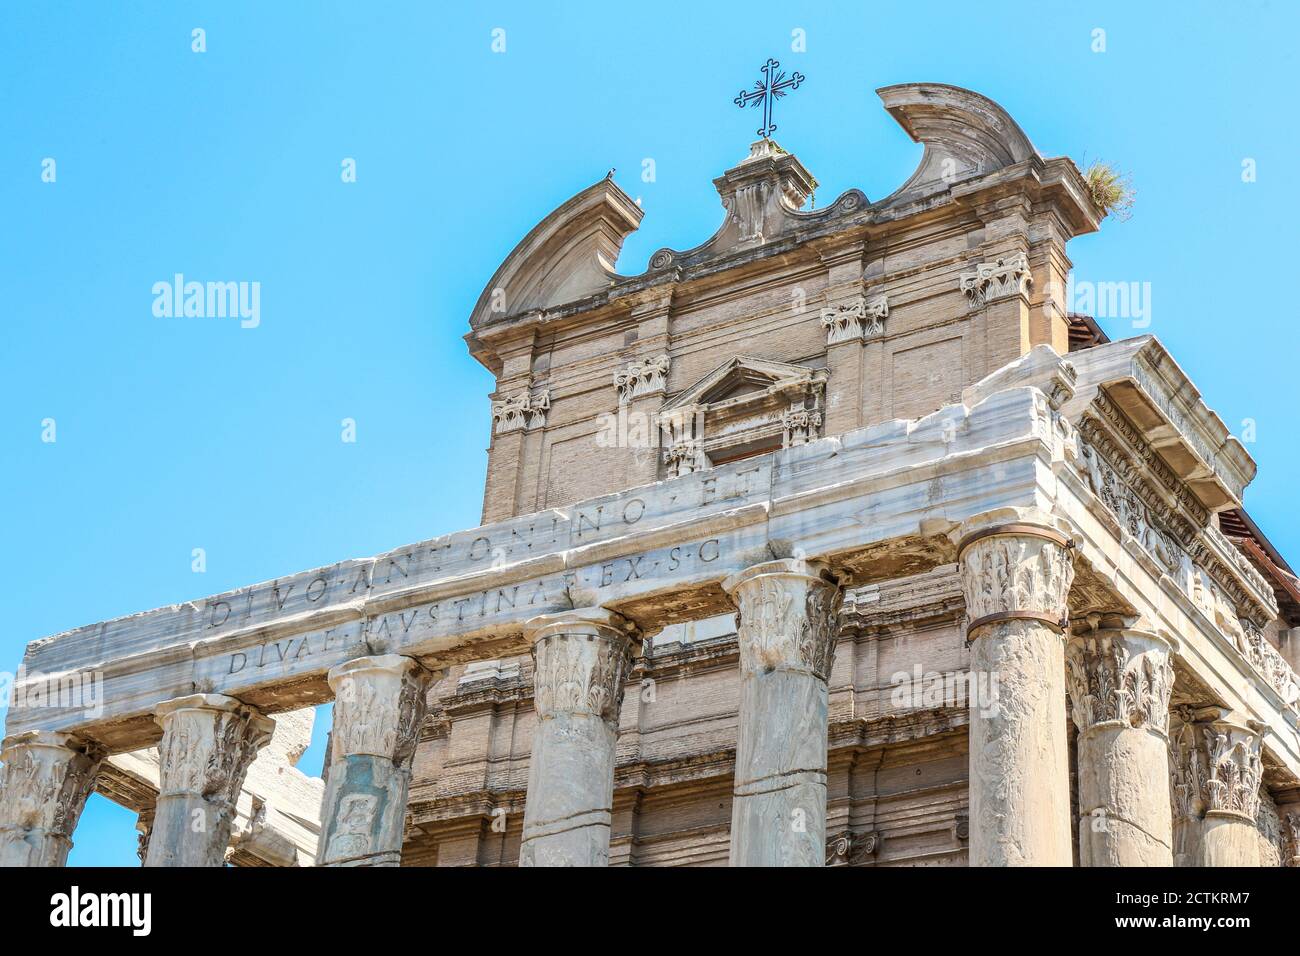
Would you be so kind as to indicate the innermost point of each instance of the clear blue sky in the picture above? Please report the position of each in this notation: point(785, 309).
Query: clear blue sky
point(225, 165)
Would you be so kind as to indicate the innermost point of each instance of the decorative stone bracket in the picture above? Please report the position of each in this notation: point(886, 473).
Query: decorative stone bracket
point(1004, 277)
point(855, 321)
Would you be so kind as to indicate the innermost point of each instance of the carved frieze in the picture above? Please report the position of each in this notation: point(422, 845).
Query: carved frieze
point(1119, 676)
point(1003, 277)
point(855, 321)
point(1208, 567)
point(522, 410)
point(642, 378)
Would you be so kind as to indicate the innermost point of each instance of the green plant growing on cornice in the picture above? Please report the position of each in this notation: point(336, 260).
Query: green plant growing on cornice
point(1110, 189)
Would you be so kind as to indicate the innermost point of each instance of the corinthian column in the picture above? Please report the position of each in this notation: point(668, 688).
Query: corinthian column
point(44, 784)
point(379, 705)
point(208, 743)
point(581, 659)
point(1120, 681)
point(1015, 576)
point(788, 628)
point(1216, 769)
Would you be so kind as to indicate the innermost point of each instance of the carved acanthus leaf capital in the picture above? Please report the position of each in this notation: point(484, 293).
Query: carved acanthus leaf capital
point(1015, 571)
point(789, 617)
point(208, 743)
point(1216, 766)
point(642, 378)
point(581, 660)
point(522, 410)
point(1118, 676)
point(856, 320)
point(379, 707)
point(1003, 277)
point(45, 780)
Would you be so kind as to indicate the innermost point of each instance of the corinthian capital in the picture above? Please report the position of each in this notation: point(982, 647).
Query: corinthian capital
point(789, 616)
point(208, 743)
point(379, 705)
point(1003, 277)
point(581, 660)
point(1119, 676)
point(44, 783)
point(1015, 570)
point(1215, 764)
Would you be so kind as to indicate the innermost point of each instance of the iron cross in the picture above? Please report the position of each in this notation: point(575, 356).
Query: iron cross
point(766, 91)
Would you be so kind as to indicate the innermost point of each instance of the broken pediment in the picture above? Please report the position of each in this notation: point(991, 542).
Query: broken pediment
point(965, 134)
point(568, 256)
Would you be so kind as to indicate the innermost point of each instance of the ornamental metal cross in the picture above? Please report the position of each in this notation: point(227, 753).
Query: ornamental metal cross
point(766, 91)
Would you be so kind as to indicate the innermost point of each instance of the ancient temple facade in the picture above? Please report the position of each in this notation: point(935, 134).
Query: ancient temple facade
point(834, 540)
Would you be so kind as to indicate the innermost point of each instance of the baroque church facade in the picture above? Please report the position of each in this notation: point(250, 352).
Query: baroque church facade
point(834, 540)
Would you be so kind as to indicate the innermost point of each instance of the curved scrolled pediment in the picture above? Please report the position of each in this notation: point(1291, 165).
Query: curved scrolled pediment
point(567, 256)
point(965, 134)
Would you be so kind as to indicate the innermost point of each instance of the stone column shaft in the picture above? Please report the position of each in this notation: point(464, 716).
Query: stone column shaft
point(788, 626)
point(208, 743)
point(379, 706)
point(1120, 682)
point(44, 783)
point(1016, 576)
point(581, 660)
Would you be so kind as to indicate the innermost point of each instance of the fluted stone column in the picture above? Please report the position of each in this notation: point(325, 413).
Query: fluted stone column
point(44, 784)
point(208, 743)
point(1217, 769)
point(581, 660)
point(1015, 577)
point(1120, 681)
point(379, 705)
point(788, 626)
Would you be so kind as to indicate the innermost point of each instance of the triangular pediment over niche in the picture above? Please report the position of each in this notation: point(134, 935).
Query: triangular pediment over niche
point(744, 377)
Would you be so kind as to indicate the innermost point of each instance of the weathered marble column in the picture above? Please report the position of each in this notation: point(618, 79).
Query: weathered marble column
point(379, 705)
point(208, 743)
point(44, 784)
point(581, 659)
point(788, 626)
point(1120, 680)
point(1015, 576)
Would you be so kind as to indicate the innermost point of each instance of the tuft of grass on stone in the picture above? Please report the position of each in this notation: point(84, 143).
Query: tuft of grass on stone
point(1111, 189)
